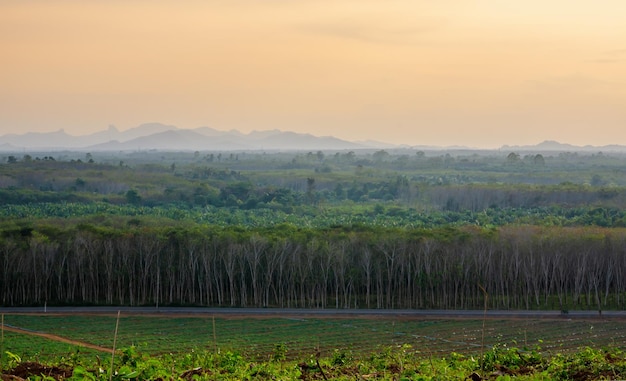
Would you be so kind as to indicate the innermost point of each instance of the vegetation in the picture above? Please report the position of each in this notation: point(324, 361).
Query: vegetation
point(343, 267)
point(256, 337)
point(393, 363)
point(333, 349)
point(371, 229)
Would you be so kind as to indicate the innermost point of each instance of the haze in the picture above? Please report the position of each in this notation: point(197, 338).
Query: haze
point(479, 73)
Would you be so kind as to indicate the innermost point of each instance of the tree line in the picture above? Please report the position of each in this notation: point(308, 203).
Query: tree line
point(520, 267)
point(261, 181)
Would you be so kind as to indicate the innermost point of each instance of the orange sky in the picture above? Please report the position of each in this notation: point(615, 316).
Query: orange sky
point(480, 73)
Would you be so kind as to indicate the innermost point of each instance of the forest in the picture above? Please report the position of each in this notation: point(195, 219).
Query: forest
point(394, 228)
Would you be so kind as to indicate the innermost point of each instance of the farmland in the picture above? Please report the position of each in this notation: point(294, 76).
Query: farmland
point(378, 346)
point(256, 337)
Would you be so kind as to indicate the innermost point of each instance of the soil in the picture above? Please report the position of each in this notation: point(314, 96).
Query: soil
point(28, 369)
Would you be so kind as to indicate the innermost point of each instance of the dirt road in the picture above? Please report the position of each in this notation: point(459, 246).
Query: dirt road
point(281, 312)
point(57, 338)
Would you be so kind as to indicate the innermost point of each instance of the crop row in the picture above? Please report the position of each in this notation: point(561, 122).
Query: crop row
point(258, 337)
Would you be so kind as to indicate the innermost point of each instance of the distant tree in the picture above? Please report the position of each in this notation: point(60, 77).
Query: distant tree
point(359, 169)
point(11, 159)
point(538, 160)
point(380, 155)
point(132, 197)
point(80, 182)
point(239, 191)
point(513, 158)
point(596, 180)
point(324, 169)
point(340, 193)
point(310, 189)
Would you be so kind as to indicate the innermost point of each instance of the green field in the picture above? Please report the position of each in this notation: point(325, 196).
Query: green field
point(257, 337)
point(289, 348)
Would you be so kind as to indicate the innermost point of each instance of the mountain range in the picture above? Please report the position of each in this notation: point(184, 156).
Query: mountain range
point(162, 137)
point(157, 136)
point(554, 146)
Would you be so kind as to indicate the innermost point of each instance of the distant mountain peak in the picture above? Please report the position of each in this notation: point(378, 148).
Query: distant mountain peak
point(167, 137)
point(553, 145)
point(549, 142)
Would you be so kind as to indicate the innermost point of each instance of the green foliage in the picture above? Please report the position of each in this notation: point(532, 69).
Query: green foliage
point(133, 197)
point(271, 215)
point(280, 352)
point(81, 373)
point(341, 357)
point(390, 364)
point(13, 359)
point(512, 358)
point(230, 361)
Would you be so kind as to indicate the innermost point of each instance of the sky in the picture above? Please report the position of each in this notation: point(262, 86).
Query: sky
point(477, 73)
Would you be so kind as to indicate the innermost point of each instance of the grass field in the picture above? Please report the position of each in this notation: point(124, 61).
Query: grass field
point(302, 337)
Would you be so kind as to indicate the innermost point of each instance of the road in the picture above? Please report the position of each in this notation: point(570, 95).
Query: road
point(281, 312)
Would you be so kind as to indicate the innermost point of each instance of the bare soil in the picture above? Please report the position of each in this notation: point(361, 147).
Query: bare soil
point(28, 369)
